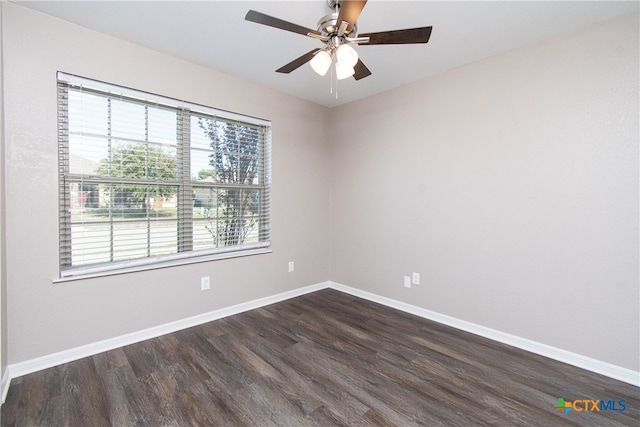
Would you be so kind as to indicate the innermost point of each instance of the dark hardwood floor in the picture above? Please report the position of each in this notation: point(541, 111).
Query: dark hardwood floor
point(325, 358)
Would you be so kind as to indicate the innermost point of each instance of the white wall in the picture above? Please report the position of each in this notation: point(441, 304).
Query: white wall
point(44, 318)
point(3, 287)
point(510, 185)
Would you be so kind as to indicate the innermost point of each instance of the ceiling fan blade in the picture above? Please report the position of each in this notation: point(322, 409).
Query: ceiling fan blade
point(410, 35)
point(298, 62)
point(361, 71)
point(349, 12)
point(263, 19)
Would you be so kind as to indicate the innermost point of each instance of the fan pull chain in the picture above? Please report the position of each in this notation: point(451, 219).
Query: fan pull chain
point(331, 81)
point(334, 81)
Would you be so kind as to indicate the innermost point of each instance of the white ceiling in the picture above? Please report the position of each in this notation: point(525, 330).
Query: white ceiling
point(215, 34)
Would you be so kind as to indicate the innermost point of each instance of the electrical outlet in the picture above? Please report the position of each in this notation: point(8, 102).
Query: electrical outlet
point(415, 279)
point(291, 266)
point(205, 283)
point(407, 281)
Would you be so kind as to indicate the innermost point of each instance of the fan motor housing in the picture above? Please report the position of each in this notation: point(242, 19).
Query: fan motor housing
point(328, 26)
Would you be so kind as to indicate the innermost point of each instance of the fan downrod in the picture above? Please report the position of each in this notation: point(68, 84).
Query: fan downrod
point(328, 24)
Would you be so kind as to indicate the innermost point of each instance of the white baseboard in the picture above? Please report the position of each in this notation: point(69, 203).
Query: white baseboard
point(603, 368)
point(23, 368)
point(4, 384)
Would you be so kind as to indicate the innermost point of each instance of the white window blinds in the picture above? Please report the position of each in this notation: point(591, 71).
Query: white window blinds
point(147, 180)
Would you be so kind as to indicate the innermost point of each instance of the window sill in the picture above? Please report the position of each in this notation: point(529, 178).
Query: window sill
point(163, 264)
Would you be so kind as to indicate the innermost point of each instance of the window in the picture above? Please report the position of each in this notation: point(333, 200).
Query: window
point(147, 180)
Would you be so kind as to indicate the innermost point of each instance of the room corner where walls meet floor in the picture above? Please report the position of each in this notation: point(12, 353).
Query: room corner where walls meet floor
point(23, 368)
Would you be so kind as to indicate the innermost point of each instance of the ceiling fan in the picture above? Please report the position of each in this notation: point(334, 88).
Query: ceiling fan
point(338, 31)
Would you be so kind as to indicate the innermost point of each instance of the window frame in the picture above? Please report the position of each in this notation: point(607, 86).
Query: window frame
point(184, 251)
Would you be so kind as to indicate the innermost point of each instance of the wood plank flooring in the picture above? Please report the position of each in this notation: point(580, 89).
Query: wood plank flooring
point(322, 359)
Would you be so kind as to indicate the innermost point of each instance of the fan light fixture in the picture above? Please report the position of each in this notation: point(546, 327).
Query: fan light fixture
point(321, 62)
point(347, 55)
point(346, 59)
point(344, 70)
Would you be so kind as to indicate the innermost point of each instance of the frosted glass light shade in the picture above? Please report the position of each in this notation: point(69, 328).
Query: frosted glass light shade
point(321, 62)
point(343, 70)
point(347, 55)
